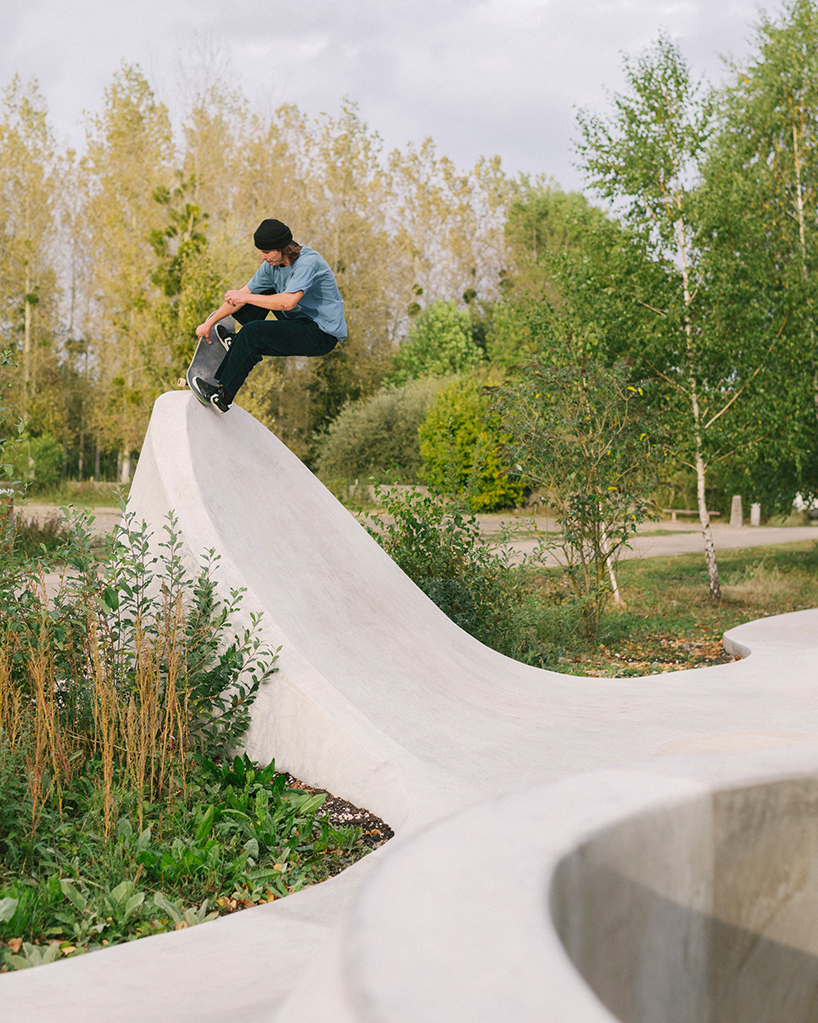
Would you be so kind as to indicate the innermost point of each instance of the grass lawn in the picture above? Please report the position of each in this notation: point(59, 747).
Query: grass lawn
point(669, 622)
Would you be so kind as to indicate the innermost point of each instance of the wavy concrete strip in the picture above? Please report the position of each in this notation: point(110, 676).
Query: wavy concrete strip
point(466, 922)
point(381, 699)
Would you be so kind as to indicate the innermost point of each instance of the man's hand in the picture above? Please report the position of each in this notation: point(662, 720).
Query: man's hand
point(203, 330)
point(240, 296)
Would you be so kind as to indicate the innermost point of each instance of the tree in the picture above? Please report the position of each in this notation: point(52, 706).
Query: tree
point(440, 342)
point(585, 438)
point(760, 208)
point(647, 157)
point(543, 221)
point(571, 260)
point(462, 445)
point(186, 277)
point(28, 282)
point(129, 155)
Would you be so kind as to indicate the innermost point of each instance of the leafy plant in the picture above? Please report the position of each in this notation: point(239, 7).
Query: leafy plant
point(581, 434)
point(440, 342)
point(439, 545)
point(461, 443)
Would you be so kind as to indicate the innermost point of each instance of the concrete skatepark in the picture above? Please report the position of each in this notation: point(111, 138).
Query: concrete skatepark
point(567, 849)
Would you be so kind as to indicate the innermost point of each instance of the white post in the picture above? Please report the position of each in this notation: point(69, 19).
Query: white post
point(736, 513)
point(755, 514)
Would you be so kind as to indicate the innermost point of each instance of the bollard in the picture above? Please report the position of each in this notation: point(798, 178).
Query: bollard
point(755, 514)
point(736, 512)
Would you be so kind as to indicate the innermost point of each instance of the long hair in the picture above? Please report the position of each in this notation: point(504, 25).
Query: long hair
point(291, 252)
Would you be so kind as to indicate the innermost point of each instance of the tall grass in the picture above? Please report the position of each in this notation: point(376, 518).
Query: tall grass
point(129, 662)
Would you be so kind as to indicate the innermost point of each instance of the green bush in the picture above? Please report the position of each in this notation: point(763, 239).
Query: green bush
point(461, 446)
point(46, 455)
point(439, 546)
point(378, 435)
point(440, 342)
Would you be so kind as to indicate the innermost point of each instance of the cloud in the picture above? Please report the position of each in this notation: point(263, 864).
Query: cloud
point(478, 76)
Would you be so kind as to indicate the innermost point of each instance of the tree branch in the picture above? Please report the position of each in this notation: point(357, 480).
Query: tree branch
point(752, 378)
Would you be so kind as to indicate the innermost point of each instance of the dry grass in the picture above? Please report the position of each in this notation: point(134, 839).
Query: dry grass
point(137, 729)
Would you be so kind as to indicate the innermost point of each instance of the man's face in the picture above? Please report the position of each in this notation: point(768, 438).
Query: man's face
point(273, 257)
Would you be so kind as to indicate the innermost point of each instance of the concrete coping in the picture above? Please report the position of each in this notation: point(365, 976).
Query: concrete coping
point(615, 895)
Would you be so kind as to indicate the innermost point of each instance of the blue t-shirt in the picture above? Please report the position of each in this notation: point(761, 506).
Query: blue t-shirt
point(311, 274)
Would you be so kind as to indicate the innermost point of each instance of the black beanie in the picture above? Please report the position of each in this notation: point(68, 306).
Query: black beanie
point(272, 234)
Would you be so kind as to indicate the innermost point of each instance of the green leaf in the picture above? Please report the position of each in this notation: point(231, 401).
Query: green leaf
point(71, 893)
point(206, 824)
point(133, 903)
point(8, 907)
point(122, 891)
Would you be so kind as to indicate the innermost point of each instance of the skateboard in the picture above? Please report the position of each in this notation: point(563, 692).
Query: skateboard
point(208, 357)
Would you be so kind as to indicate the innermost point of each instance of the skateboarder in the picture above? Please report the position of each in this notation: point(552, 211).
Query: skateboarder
point(297, 285)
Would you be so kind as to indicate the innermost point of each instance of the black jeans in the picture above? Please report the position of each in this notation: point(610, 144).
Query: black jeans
point(259, 336)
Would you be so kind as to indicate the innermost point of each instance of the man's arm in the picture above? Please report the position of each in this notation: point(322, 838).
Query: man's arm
point(286, 301)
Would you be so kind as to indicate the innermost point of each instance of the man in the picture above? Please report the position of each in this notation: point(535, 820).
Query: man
point(297, 285)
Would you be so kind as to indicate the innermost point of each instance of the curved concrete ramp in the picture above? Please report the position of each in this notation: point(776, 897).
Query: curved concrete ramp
point(381, 699)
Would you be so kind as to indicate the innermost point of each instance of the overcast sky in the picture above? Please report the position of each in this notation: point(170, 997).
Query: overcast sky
point(481, 77)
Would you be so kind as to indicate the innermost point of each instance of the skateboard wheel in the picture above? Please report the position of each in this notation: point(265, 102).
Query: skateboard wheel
point(181, 382)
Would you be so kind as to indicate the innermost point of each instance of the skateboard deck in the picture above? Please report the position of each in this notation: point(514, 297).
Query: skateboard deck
point(208, 357)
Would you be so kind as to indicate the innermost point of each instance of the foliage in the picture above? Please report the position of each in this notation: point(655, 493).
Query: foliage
point(29, 291)
point(439, 546)
point(440, 343)
point(544, 223)
point(759, 203)
point(185, 274)
point(234, 836)
point(131, 657)
point(582, 436)
point(45, 460)
point(116, 692)
point(461, 444)
point(378, 435)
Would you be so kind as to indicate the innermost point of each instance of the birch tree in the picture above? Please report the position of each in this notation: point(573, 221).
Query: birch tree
point(28, 229)
point(646, 158)
point(761, 225)
point(129, 156)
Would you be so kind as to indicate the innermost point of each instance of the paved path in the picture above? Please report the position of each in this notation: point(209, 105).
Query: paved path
point(667, 539)
point(653, 539)
point(104, 518)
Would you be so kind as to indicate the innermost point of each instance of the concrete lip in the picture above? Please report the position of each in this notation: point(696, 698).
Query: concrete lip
point(627, 895)
point(478, 762)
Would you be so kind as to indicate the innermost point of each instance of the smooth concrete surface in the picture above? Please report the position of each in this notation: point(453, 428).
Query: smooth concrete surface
point(479, 763)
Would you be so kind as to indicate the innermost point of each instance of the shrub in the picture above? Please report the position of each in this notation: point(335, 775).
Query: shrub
point(440, 342)
point(461, 446)
point(439, 546)
point(132, 660)
point(374, 436)
point(46, 458)
point(583, 435)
